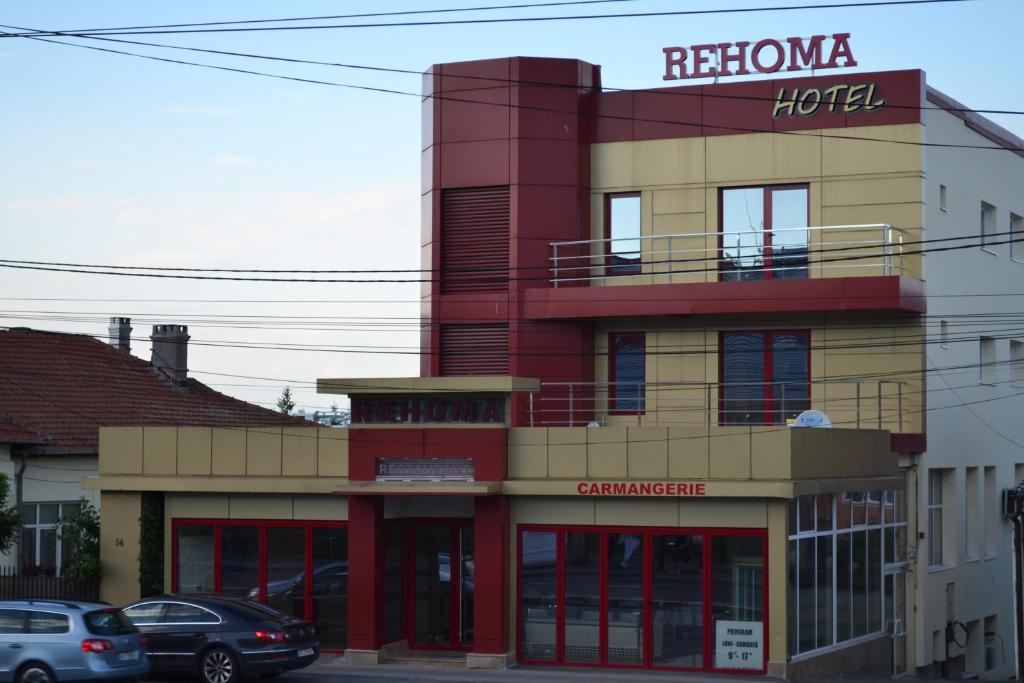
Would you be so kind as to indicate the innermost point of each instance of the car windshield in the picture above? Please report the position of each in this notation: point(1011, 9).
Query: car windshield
point(108, 622)
point(251, 612)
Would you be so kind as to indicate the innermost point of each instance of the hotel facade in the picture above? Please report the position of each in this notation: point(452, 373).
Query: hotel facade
point(683, 394)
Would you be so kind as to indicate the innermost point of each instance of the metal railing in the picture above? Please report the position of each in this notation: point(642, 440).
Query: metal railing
point(869, 404)
point(795, 254)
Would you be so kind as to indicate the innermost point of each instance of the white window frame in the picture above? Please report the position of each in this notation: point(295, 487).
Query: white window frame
point(935, 508)
point(988, 224)
point(943, 199)
point(39, 527)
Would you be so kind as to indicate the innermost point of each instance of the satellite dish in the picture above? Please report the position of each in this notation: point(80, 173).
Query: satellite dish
point(812, 418)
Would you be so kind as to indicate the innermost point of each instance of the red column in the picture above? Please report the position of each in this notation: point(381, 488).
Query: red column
point(490, 538)
point(365, 572)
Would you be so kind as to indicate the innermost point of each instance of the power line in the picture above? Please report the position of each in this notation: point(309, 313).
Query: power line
point(485, 79)
point(506, 20)
point(582, 114)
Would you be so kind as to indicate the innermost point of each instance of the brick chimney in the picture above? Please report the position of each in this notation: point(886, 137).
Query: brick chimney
point(170, 350)
point(120, 331)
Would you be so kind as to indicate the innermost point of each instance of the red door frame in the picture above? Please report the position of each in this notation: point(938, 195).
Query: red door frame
point(767, 392)
point(454, 524)
point(766, 231)
point(261, 525)
point(647, 658)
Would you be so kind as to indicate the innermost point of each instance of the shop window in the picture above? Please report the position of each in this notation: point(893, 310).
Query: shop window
point(836, 570)
point(640, 597)
point(622, 230)
point(626, 372)
point(764, 233)
point(765, 376)
point(300, 568)
point(988, 227)
point(41, 549)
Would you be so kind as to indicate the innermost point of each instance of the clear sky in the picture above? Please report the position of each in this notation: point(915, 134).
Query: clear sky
point(113, 159)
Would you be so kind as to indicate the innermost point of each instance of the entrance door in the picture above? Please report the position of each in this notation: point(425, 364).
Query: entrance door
point(441, 582)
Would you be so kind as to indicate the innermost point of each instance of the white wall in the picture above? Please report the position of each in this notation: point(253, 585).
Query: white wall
point(58, 479)
point(989, 430)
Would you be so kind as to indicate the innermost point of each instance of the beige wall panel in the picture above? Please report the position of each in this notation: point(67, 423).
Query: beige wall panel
point(770, 453)
point(263, 451)
point(847, 157)
point(729, 455)
point(688, 449)
point(229, 451)
point(298, 451)
point(647, 453)
point(723, 513)
point(195, 448)
point(778, 602)
point(637, 512)
point(120, 450)
point(160, 450)
point(328, 508)
point(248, 506)
point(567, 453)
point(196, 506)
point(668, 162)
point(906, 216)
point(762, 157)
point(528, 453)
point(606, 453)
point(611, 166)
point(543, 510)
point(892, 189)
point(119, 547)
point(688, 200)
point(332, 453)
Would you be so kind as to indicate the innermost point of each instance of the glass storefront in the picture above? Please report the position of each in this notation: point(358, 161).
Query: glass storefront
point(300, 568)
point(654, 598)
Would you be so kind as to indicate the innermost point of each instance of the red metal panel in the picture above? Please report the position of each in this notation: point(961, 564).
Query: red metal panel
point(613, 120)
point(366, 445)
point(725, 112)
point(481, 114)
point(488, 449)
point(365, 573)
point(908, 443)
point(474, 349)
point(668, 113)
point(474, 239)
point(474, 164)
point(490, 612)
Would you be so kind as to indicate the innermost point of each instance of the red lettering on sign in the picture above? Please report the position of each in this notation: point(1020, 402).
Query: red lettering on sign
point(645, 489)
point(361, 411)
point(780, 55)
point(806, 55)
point(659, 489)
point(700, 58)
point(491, 411)
point(606, 489)
point(675, 60)
point(436, 411)
point(767, 56)
point(581, 488)
point(724, 58)
point(700, 490)
point(841, 48)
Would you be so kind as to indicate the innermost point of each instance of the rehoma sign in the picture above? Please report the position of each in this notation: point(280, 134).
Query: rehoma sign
point(766, 56)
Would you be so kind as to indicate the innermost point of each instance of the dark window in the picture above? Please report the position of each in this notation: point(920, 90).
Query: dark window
point(48, 622)
point(622, 228)
point(765, 376)
point(178, 613)
point(240, 561)
point(626, 372)
point(108, 622)
point(12, 621)
point(147, 613)
point(764, 233)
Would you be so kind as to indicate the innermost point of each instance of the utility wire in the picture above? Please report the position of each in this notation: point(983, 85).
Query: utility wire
point(533, 19)
point(580, 114)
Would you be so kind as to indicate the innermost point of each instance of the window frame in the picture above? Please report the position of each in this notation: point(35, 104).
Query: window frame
point(631, 267)
point(988, 211)
point(37, 528)
point(641, 408)
point(767, 395)
point(263, 525)
point(988, 363)
point(936, 509)
point(708, 534)
point(1016, 233)
point(766, 230)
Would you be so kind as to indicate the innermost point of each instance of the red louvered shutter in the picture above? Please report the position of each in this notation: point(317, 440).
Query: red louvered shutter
point(474, 239)
point(474, 349)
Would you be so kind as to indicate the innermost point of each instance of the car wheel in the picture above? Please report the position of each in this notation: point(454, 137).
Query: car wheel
point(218, 666)
point(35, 672)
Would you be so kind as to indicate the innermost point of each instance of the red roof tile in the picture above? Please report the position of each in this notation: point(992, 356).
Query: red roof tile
point(61, 388)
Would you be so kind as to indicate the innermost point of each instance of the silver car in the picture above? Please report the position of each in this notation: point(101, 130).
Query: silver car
point(45, 641)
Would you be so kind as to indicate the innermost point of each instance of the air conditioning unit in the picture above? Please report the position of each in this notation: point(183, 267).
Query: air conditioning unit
point(1009, 502)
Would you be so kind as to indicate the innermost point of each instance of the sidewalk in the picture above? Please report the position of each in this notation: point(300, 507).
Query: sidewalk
point(335, 666)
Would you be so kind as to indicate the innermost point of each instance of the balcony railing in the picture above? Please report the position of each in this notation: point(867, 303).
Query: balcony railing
point(869, 404)
point(790, 253)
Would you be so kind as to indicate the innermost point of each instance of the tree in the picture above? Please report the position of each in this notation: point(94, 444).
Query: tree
point(10, 518)
point(335, 420)
point(285, 404)
point(80, 531)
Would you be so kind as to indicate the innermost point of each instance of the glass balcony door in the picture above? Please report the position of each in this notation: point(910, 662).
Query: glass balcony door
point(442, 584)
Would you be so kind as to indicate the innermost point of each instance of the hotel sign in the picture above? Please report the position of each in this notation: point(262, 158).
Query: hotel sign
point(419, 410)
point(766, 56)
point(641, 488)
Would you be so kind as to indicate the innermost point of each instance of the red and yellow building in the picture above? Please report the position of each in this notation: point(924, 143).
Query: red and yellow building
point(632, 297)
